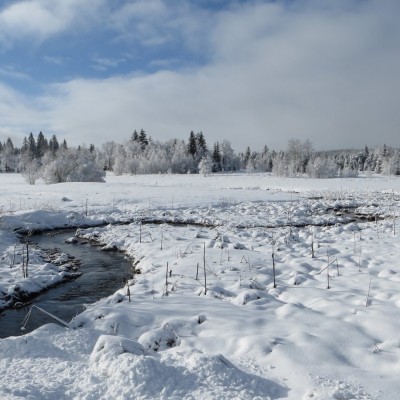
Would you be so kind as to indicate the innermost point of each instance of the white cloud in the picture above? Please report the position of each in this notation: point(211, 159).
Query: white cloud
point(103, 63)
point(16, 115)
point(55, 60)
point(40, 19)
point(160, 22)
point(325, 73)
point(12, 72)
point(27, 18)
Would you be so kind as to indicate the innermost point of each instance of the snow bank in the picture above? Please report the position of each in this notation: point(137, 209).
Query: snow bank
point(213, 325)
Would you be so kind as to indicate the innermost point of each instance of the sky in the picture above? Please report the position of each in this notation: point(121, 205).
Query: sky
point(252, 72)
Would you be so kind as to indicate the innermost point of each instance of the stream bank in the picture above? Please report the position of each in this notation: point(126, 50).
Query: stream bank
point(101, 274)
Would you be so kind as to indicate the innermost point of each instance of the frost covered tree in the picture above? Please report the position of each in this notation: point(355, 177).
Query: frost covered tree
point(71, 165)
point(263, 161)
point(156, 158)
point(108, 152)
point(295, 159)
point(120, 160)
point(133, 155)
point(250, 166)
point(9, 158)
point(229, 161)
point(181, 161)
point(280, 166)
point(205, 165)
point(322, 167)
point(87, 169)
point(391, 164)
point(244, 157)
point(57, 168)
point(30, 170)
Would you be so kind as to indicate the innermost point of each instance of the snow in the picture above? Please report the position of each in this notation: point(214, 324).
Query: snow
point(213, 325)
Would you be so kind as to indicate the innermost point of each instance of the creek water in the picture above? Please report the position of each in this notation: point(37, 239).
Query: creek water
point(103, 273)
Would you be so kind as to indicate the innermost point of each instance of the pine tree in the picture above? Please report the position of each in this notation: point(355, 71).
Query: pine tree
point(201, 144)
point(246, 156)
point(216, 157)
point(135, 136)
point(9, 159)
point(143, 139)
point(32, 149)
point(53, 144)
point(192, 145)
point(25, 146)
point(9, 145)
point(91, 148)
point(42, 145)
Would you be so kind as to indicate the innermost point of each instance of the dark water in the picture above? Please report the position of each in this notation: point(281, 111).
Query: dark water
point(102, 274)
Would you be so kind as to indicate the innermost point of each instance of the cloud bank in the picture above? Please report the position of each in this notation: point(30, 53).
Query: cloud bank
point(322, 70)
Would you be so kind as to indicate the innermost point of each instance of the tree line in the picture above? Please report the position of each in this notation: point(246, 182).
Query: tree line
point(56, 162)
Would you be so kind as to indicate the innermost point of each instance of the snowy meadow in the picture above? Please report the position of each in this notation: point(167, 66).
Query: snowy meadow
point(243, 286)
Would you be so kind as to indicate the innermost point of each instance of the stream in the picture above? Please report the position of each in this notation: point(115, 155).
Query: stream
point(103, 273)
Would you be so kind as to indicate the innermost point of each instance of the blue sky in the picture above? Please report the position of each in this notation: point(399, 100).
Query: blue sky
point(252, 72)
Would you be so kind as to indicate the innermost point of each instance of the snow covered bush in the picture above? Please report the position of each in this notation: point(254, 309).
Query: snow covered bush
point(348, 173)
point(110, 347)
point(87, 169)
point(159, 339)
point(322, 168)
point(31, 171)
point(391, 166)
point(280, 167)
point(205, 165)
point(71, 165)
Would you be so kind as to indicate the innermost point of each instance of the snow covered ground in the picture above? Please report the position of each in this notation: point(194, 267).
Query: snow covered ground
point(213, 325)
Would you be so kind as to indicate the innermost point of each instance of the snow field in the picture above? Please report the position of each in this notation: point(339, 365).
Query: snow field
point(300, 322)
point(241, 338)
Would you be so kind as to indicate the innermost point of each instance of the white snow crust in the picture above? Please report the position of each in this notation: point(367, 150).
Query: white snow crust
point(214, 326)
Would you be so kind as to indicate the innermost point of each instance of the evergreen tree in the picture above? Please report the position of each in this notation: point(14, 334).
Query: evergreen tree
point(25, 146)
point(216, 157)
point(64, 145)
point(53, 144)
point(135, 136)
point(201, 144)
point(192, 145)
point(32, 149)
point(246, 156)
point(384, 151)
point(42, 145)
point(143, 139)
point(9, 159)
point(9, 145)
point(91, 148)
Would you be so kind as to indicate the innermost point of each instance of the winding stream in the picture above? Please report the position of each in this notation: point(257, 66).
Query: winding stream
point(103, 273)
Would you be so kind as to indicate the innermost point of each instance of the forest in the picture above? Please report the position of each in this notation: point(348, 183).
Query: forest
point(55, 162)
